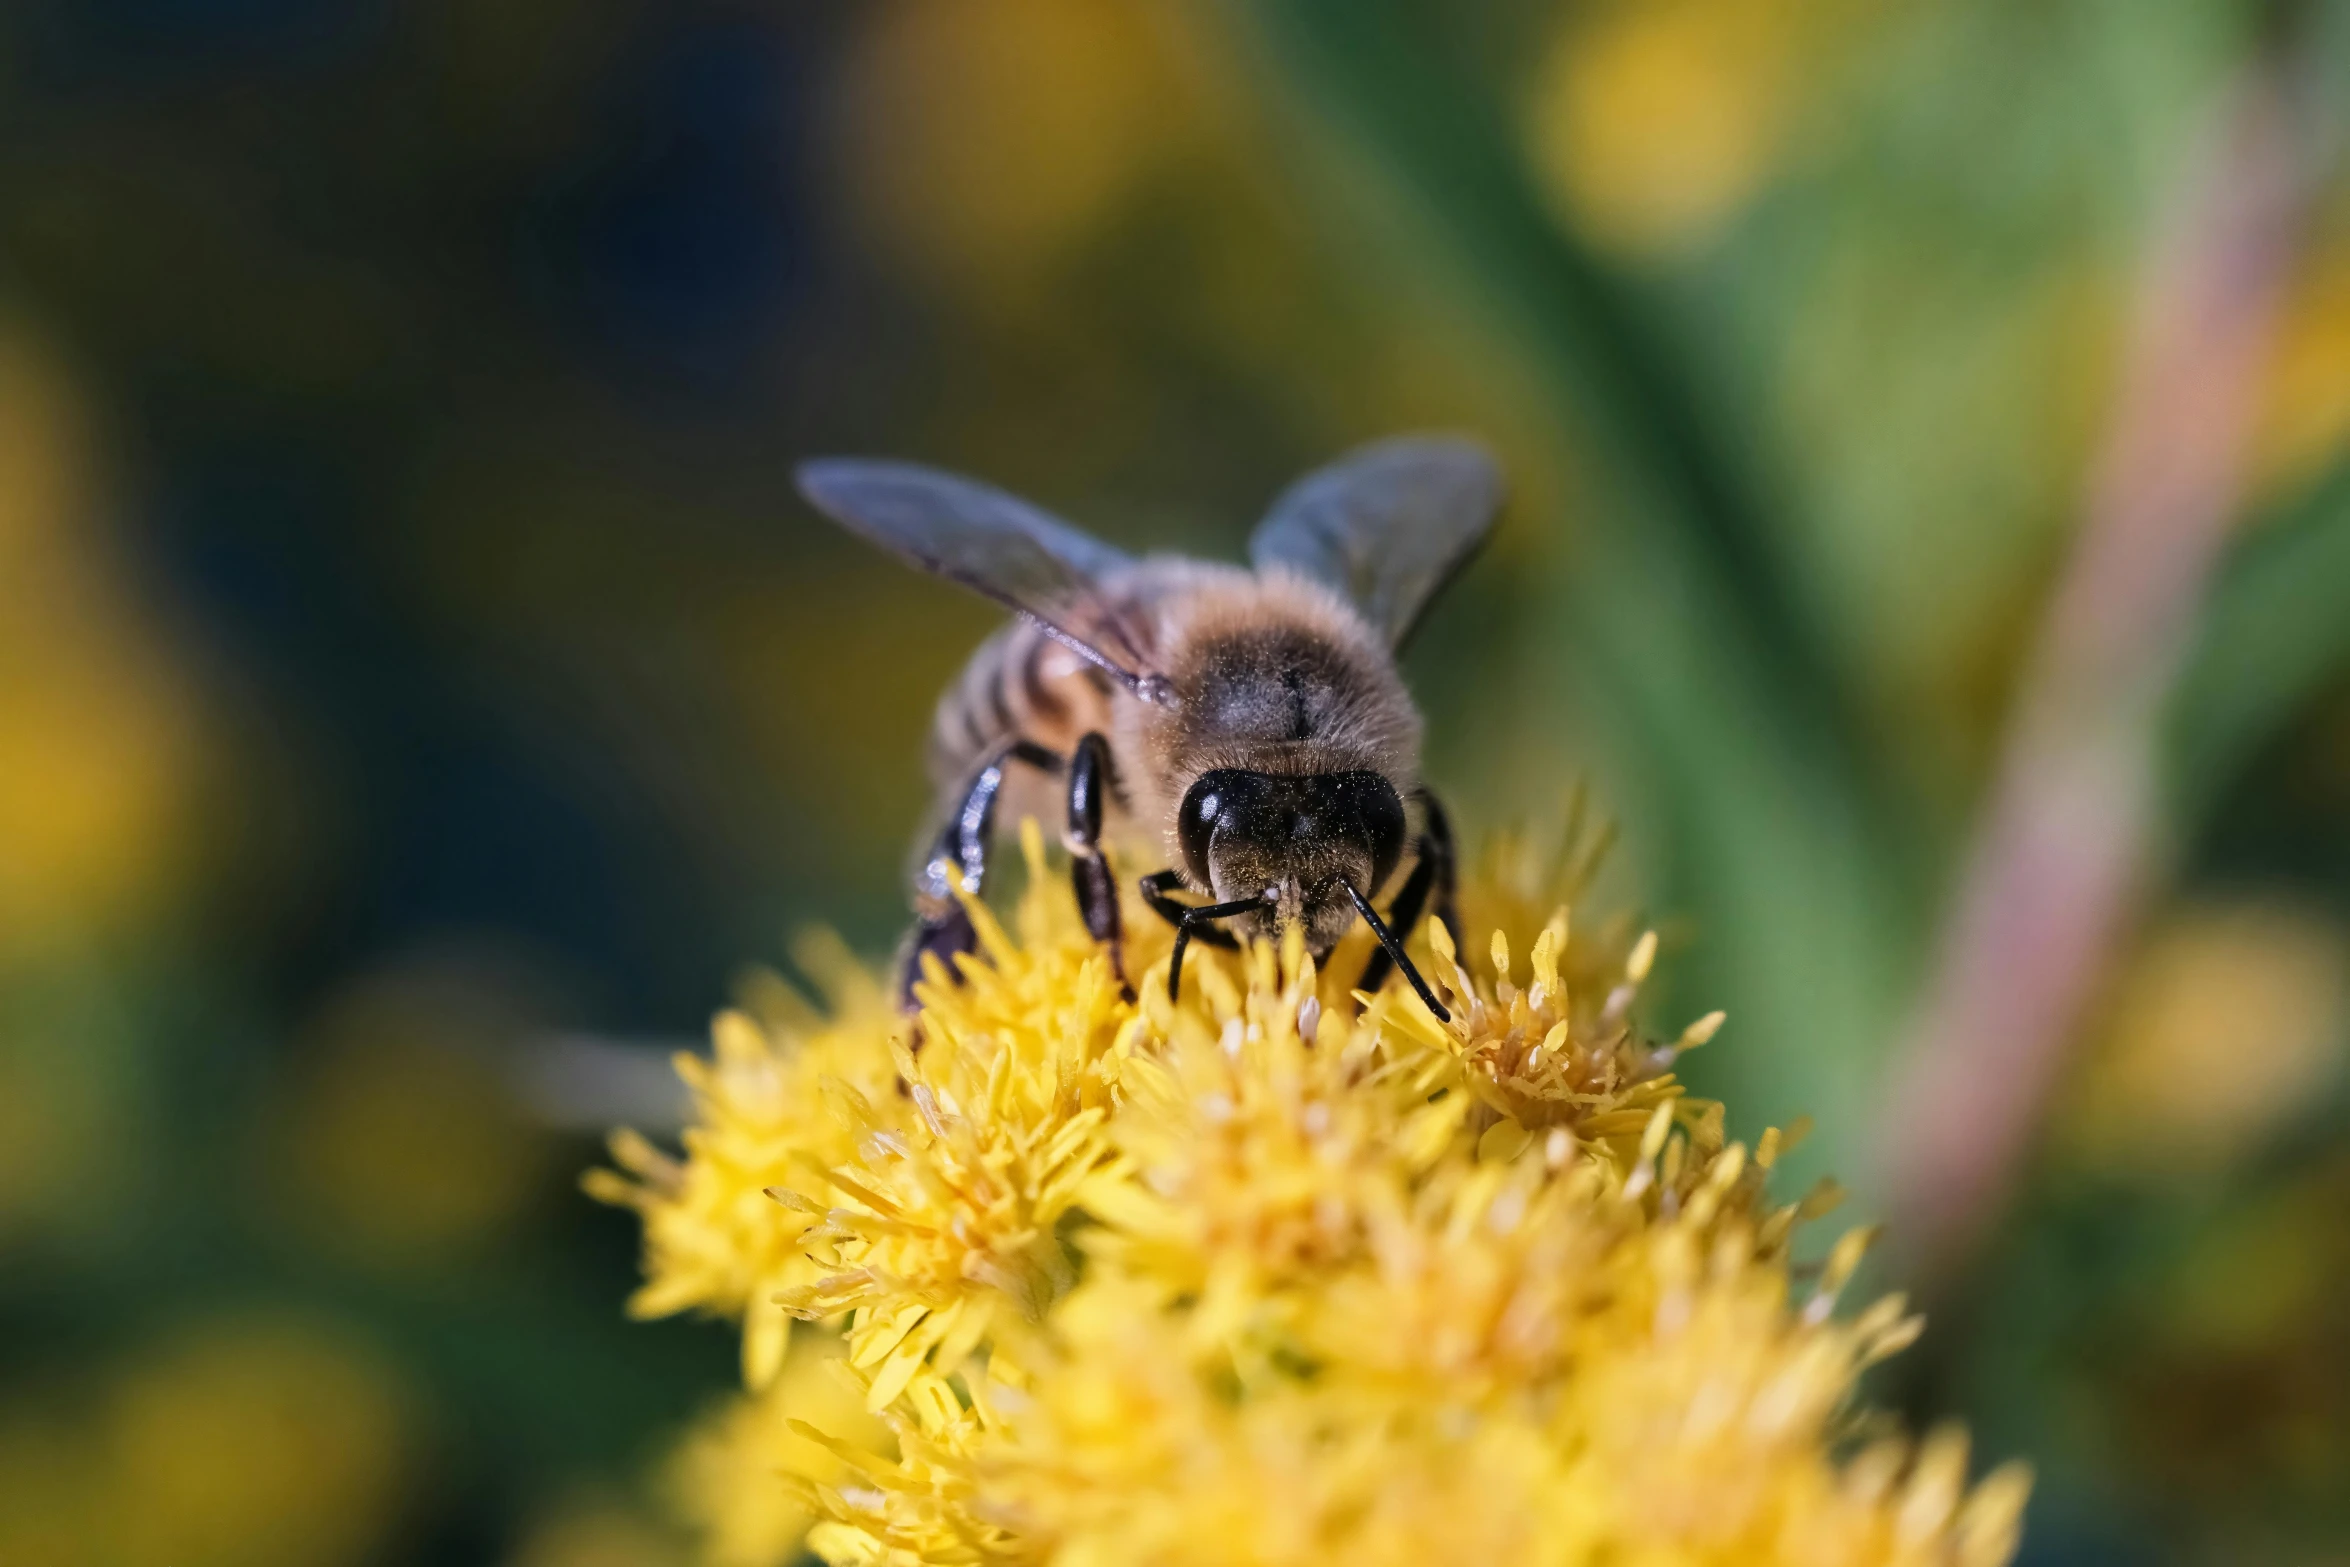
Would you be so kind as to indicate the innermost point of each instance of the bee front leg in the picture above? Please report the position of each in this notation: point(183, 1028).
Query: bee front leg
point(1441, 853)
point(941, 925)
point(1156, 888)
point(1435, 873)
point(1089, 868)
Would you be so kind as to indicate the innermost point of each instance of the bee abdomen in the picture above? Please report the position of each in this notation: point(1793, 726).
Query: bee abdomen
point(1019, 685)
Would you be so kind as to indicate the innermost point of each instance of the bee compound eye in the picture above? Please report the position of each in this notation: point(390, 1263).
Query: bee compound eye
point(1204, 805)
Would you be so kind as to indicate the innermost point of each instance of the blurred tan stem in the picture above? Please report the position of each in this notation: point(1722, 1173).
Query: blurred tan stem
point(2070, 839)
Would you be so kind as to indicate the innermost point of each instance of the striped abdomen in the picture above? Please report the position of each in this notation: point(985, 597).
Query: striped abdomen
point(1020, 684)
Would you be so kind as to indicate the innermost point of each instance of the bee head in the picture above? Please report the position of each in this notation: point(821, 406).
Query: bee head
point(1294, 841)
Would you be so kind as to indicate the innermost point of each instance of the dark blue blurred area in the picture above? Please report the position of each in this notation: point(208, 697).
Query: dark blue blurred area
point(146, 44)
point(644, 255)
point(677, 247)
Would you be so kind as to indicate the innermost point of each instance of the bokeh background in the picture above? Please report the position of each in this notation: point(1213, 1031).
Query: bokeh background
point(422, 699)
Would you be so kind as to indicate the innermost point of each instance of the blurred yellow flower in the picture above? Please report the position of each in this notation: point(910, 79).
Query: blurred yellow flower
point(258, 1441)
point(2228, 1018)
point(1655, 120)
point(587, 1531)
point(1269, 1276)
point(2305, 416)
point(240, 1441)
point(714, 1240)
point(728, 1473)
point(96, 724)
point(401, 1143)
point(980, 143)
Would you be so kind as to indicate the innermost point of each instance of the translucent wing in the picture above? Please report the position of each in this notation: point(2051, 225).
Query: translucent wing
point(1387, 524)
point(992, 543)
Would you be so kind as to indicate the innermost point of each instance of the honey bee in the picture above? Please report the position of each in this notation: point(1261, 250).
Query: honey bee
point(1245, 726)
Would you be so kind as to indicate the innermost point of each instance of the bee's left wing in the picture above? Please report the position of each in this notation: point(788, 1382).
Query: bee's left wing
point(995, 544)
point(1387, 524)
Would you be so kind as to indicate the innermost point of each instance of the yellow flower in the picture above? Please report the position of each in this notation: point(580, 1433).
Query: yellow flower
point(1656, 120)
point(1282, 1275)
point(713, 1239)
point(726, 1471)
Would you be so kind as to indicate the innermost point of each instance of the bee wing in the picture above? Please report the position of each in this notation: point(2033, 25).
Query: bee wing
point(1387, 524)
point(995, 544)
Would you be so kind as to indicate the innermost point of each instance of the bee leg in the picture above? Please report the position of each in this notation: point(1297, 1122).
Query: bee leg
point(1089, 868)
point(1155, 888)
point(941, 925)
point(1436, 873)
point(1200, 922)
point(1446, 859)
point(944, 932)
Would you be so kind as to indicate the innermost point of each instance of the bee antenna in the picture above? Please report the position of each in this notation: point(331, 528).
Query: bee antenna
point(1394, 949)
point(1152, 688)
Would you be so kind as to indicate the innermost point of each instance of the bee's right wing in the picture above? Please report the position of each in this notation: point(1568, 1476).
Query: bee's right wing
point(1387, 524)
point(996, 545)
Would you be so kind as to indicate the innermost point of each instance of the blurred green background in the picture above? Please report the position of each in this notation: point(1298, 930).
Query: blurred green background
point(421, 696)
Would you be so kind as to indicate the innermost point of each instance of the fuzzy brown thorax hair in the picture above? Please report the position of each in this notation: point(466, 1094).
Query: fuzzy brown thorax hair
point(1272, 672)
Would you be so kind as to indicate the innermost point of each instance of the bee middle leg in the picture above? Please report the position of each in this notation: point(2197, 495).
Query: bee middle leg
point(1089, 868)
point(1435, 871)
point(941, 925)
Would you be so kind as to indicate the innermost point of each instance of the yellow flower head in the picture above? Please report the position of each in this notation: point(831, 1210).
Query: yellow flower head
point(713, 1239)
point(1279, 1274)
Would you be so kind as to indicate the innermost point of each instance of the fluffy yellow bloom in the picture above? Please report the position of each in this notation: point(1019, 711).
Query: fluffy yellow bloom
point(713, 1239)
point(725, 1472)
point(1280, 1275)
